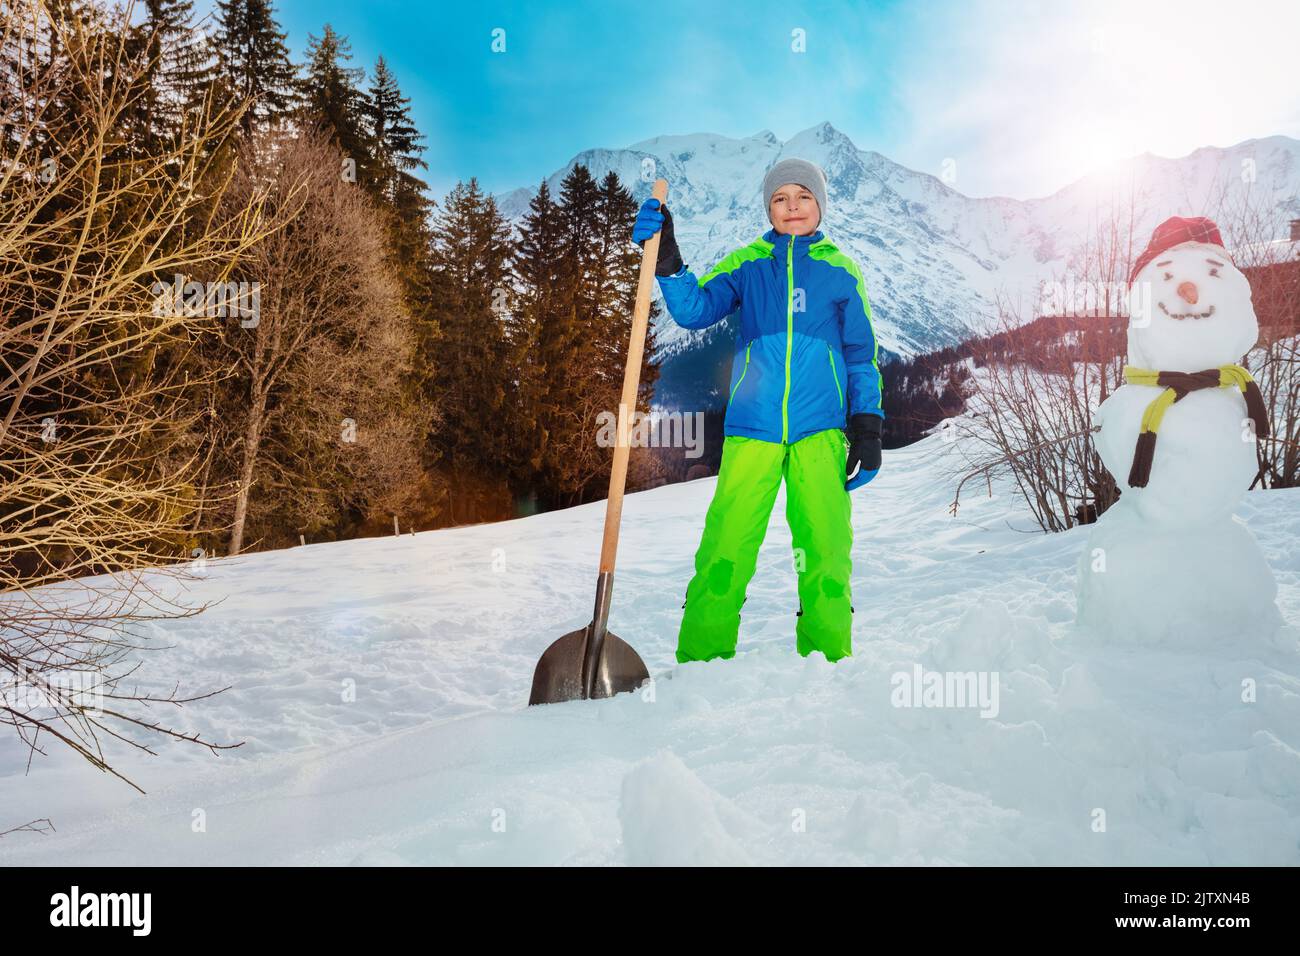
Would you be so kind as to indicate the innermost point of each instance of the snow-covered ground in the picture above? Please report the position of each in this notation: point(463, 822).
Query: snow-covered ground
point(380, 684)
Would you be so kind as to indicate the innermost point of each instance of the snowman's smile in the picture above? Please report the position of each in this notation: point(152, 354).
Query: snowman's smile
point(1186, 315)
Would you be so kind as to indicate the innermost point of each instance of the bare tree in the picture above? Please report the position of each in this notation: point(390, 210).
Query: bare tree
point(317, 397)
point(95, 475)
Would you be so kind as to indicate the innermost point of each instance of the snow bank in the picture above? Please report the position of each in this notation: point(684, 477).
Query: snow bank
point(380, 686)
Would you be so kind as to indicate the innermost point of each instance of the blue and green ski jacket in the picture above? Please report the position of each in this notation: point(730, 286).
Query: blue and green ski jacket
point(806, 354)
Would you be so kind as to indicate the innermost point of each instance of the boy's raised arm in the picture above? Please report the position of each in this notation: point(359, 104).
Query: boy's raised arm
point(697, 304)
point(693, 304)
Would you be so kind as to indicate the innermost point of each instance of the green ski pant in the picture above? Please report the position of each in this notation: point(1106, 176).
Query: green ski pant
point(818, 512)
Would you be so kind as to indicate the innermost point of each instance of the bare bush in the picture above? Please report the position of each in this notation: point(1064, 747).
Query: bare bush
point(1277, 364)
point(1262, 248)
point(1033, 401)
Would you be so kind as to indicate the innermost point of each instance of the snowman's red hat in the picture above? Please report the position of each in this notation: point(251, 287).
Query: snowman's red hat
point(1174, 231)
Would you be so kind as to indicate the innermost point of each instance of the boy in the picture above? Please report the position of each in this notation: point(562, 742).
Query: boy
point(805, 364)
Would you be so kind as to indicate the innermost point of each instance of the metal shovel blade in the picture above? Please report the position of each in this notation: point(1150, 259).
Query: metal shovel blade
point(560, 676)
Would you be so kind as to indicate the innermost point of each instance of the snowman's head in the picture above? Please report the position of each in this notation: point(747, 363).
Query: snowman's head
point(1190, 310)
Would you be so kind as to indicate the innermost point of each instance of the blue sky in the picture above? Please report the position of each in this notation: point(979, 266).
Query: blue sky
point(1021, 98)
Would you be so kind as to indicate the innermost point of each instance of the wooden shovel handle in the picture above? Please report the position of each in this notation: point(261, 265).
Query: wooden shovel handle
point(631, 379)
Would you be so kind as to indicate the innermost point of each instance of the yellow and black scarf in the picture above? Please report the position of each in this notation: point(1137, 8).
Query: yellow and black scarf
point(1176, 385)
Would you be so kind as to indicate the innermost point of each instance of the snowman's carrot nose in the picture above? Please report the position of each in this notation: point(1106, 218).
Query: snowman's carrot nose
point(1188, 293)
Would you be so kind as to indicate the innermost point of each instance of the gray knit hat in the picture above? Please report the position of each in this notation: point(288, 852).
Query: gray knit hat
point(806, 174)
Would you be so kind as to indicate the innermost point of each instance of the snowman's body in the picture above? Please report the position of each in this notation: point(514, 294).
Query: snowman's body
point(1202, 464)
point(1169, 561)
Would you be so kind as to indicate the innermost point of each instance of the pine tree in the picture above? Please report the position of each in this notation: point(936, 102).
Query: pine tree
point(333, 100)
point(577, 271)
point(174, 67)
point(579, 198)
point(423, 287)
point(182, 60)
point(256, 60)
point(396, 145)
point(539, 343)
point(396, 140)
point(557, 271)
point(619, 269)
point(579, 388)
point(473, 382)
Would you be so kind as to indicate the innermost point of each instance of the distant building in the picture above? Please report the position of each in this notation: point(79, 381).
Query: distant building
point(1271, 252)
point(1273, 270)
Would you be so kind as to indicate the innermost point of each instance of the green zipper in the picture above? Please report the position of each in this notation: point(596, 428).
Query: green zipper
point(789, 339)
point(742, 374)
point(830, 354)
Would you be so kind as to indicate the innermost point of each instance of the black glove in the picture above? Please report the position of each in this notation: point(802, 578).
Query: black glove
point(654, 217)
point(863, 434)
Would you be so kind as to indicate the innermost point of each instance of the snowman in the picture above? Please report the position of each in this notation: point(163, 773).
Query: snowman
point(1170, 561)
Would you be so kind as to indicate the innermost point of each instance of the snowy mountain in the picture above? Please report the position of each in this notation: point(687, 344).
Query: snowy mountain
point(433, 758)
point(934, 259)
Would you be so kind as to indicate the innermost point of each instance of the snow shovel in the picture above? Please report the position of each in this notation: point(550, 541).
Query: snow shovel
point(592, 661)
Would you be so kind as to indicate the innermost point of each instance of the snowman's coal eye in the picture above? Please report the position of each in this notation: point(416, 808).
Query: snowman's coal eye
point(1169, 275)
point(1214, 271)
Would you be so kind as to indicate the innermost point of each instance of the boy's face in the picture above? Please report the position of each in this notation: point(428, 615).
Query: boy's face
point(793, 211)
